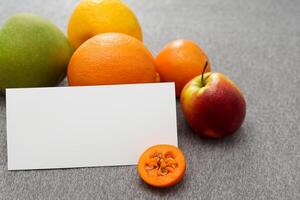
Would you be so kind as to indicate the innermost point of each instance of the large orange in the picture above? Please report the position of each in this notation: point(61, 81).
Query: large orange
point(111, 58)
point(180, 61)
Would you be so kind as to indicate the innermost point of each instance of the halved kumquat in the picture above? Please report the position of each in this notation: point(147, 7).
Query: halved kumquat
point(162, 165)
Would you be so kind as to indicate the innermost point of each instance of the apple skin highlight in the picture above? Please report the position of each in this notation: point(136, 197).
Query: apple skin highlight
point(214, 109)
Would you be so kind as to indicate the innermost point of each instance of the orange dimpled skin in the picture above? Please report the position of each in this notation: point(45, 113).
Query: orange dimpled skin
point(111, 58)
point(162, 165)
point(180, 61)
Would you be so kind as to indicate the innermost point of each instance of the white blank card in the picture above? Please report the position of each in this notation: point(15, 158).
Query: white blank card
point(65, 127)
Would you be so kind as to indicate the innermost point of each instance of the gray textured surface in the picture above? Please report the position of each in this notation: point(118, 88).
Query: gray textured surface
point(257, 44)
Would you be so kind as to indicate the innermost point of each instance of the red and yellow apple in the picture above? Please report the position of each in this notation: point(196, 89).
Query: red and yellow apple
point(213, 105)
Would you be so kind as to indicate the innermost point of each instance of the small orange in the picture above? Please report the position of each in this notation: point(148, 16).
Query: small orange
point(180, 61)
point(111, 58)
point(162, 165)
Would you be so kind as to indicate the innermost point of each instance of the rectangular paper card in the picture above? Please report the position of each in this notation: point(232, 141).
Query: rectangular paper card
point(65, 127)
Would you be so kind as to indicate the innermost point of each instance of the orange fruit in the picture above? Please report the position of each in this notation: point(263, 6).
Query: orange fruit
point(162, 165)
point(111, 58)
point(92, 17)
point(180, 61)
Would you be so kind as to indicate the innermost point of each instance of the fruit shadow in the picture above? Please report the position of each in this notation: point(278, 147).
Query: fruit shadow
point(2, 96)
point(3, 158)
point(231, 140)
point(163, 192)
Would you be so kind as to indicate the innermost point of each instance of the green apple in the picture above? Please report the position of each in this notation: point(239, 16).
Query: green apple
point(33, 53)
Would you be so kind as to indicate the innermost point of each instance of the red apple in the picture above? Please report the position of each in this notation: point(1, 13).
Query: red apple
point(213, 105)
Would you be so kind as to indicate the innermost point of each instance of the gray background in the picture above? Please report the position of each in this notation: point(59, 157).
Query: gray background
point(257, 44)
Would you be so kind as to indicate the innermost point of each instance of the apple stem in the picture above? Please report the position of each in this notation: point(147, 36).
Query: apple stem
point(202, 76)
